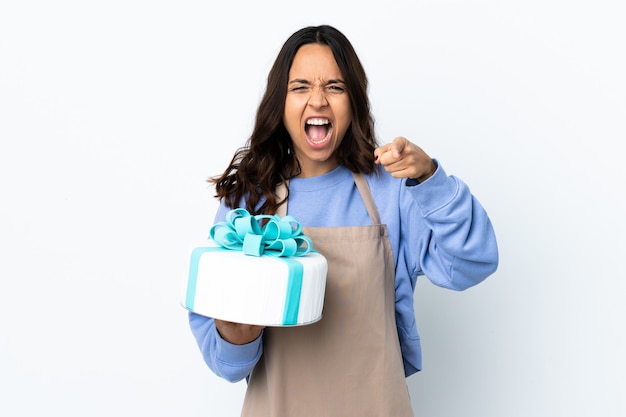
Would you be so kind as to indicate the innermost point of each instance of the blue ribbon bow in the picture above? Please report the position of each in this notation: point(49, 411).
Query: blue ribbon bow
point(279, 236)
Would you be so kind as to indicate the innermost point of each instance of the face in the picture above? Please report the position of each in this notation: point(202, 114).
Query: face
point(317, 109)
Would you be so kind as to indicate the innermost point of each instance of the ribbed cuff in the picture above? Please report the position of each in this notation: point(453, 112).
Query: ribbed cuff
point(237, 354)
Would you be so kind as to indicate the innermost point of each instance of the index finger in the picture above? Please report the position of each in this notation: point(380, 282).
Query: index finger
point(398, 145)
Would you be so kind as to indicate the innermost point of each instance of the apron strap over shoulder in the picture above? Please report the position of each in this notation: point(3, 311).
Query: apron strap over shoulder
point(366, 195)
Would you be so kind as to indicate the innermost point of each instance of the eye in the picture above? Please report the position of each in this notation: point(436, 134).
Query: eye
point(335, 89)
point(299, 89)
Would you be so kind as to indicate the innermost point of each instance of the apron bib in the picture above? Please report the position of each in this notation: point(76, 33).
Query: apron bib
point(349, 363)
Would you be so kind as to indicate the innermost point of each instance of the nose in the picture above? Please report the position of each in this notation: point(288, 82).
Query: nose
point(318, 98)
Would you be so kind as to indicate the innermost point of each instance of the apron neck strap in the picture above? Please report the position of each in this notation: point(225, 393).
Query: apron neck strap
point(366, 195)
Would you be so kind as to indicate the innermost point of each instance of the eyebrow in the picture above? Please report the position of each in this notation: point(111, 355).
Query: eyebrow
point(302, 81)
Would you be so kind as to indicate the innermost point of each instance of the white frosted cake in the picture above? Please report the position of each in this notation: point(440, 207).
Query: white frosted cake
point(226, 282)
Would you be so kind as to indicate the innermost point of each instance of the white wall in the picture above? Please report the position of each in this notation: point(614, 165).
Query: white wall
point(113, 114)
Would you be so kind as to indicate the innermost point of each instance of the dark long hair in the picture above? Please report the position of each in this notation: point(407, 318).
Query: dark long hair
point(268, 159)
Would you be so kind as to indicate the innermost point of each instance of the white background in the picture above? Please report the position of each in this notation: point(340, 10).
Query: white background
point(113, 114)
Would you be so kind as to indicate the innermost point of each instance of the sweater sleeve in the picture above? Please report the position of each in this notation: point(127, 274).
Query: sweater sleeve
point(228, 361)
point(459, 249)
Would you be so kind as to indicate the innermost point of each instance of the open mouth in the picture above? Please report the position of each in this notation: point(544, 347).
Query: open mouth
point(318, 130)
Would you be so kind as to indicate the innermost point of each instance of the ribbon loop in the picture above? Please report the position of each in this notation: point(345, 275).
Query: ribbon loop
point(253, 244)
point(279, 236)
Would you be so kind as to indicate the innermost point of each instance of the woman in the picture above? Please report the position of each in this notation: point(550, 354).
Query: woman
point(382, 216)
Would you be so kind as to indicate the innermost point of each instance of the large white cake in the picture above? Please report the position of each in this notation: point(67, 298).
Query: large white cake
point(224, 282)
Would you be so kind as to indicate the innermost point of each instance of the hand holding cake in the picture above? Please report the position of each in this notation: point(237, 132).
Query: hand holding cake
point(237, 333)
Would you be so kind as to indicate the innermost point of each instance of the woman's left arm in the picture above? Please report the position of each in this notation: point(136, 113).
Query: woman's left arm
point(457, 247)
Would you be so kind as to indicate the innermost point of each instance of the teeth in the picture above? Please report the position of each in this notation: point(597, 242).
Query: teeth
point(317, 122)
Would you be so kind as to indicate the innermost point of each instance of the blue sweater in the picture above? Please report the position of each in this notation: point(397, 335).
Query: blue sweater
point(436, 228)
